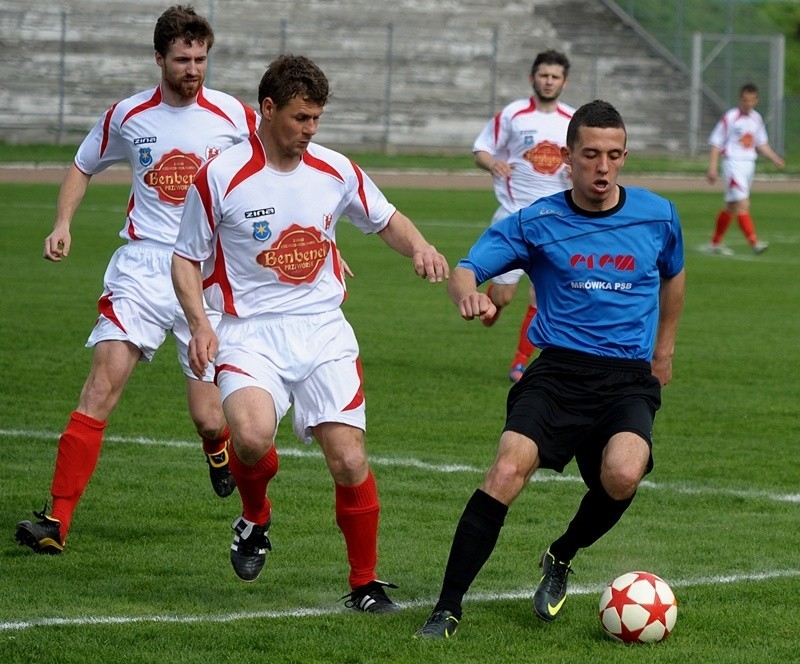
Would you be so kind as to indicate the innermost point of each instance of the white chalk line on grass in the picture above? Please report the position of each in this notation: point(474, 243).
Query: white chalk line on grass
point(471, 598)
point(447, 468)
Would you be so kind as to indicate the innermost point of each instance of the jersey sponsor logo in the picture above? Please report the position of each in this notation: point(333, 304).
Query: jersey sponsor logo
point(261, 231)
point(144, 139)
point(591, 284)
point(545, 157)
point(621, 262)
point(145, 158)
point(172, 176)
point(255, 214)
point(747, 140)
point(297, 255)
point(212, 152)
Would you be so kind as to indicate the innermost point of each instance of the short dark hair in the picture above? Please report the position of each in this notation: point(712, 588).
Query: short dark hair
point(550, 57)
point(597, 113)
point(181, 22)
point(748, 87)
point(290, 76)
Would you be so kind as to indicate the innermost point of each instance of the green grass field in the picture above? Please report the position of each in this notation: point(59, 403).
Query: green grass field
point(146, 575)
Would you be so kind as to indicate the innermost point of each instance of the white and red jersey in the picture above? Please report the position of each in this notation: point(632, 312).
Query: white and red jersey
point(267, 239)
point(738, 134)
point(165, 146)
point(530, 141)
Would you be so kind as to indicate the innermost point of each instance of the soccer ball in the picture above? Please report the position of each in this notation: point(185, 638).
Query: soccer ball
point(638, 607)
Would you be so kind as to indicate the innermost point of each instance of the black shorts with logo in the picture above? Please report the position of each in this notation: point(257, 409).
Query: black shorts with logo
point(570, 404)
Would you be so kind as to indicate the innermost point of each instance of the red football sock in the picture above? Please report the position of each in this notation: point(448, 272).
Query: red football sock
point(525, 348)
point(724, 219)
point(216, 445)
point(78, 452)
point(357, 512)
point(252, 483)
point(747, 226)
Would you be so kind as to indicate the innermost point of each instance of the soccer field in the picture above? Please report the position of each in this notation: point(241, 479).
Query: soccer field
point(146, 577)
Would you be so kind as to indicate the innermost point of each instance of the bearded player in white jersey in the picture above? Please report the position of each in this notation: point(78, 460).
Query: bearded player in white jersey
point(521, 148)
point(165, 134)
point(258, 235)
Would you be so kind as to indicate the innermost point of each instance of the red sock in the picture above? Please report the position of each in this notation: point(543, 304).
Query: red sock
point(525, 348)
point(724, 219)
point(252, 483)
point(357, 512)
point(216, 445)
point(78, 452)
point(747, 226)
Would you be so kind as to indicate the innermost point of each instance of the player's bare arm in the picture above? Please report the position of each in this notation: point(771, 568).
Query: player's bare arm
point(671, 296)
point(497, 167)
point(770, 154)
point(463, 291)
point(402, 236)
point(188, 283)
point(73, 189)
point(713, 166)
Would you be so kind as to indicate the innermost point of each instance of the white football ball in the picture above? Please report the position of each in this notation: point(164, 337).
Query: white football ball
point(638, 607)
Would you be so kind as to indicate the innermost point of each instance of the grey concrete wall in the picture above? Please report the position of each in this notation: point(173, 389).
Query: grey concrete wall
point(406, 75)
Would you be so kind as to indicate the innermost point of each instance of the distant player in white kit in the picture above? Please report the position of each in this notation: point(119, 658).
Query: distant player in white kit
point(165, 133)
point(739, 137)
point(261, 219)
point(521, 148)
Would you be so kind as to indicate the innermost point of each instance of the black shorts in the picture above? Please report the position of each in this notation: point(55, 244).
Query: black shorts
point(570, 404)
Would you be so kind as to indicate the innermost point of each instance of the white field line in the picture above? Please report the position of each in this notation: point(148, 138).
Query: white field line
point(408, 462)
point(471, 598)
point(386, 461)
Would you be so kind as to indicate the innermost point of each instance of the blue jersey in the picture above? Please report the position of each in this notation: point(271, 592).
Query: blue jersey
point(597, 274)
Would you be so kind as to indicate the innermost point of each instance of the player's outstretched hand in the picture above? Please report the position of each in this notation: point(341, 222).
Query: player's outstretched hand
point(476, 305)
point(431, 265)
point(202, 350)
point(56, 246)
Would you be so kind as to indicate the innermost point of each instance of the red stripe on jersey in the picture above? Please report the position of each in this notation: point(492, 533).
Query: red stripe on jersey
point(154, 101)
point(105, 307)
point(361, 193)
point(338, 272)
point(496, 128)
point(201, 186)
point(106, 125)
point(216, 110)
point(320, 165)
point(256, 162)
point(358, 399)
point(562, 111)
point(250, 116)
point(220, 277)
point(131, 226)
point(530, 109)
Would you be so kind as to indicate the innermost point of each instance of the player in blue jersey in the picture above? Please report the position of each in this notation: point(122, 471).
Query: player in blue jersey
point(607, 265)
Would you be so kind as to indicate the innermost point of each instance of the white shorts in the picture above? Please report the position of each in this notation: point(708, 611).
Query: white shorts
point(139, 303)
point(308, 361)
point(738, 179)
point(513, 277)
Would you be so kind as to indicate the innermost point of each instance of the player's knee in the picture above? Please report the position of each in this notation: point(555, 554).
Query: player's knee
point(621, 483)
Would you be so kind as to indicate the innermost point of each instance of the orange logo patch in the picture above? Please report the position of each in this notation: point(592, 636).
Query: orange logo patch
point(545, 157)
point(747, 141)
point(173, 175)
point(297, 255)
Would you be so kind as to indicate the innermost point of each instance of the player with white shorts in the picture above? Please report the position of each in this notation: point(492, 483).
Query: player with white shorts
point(261, 220)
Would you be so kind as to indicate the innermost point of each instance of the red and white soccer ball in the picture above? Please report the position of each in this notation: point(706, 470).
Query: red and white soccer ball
point(638, 607)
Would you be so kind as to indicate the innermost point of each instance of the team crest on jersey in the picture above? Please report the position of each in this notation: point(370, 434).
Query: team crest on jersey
point(297, 255)
point(145, 156)
point(212, 152)
point(545, 157)
point(261, 231)
point(528, 140)
point(172, 176)
point(327, 220)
